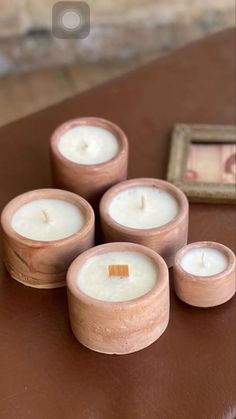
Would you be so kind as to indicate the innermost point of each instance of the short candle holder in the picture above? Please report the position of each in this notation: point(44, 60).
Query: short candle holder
point(165, 239)
point(204, 274)
point(118, 326)
point(40, 263)
point(90, 180)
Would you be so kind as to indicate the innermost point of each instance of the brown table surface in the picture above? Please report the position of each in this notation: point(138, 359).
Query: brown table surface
point(189, 373)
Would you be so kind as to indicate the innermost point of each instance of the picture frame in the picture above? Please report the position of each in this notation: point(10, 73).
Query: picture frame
point(202, 162)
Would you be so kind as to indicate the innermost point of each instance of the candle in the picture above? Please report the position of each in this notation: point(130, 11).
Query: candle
point(118, 297)
point(88, 155)
point(94, 280)
point(47, 219)
point(43, 231)
point(87, 144)
point(143, 207)
point(147, 211)
point(204, 261)
point(204, 274)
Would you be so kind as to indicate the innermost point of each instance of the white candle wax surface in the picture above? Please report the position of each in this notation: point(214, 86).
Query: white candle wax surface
point(204, 261)
point(143, 207)
point(47, 219)
point(87, 144)
point(94, 280)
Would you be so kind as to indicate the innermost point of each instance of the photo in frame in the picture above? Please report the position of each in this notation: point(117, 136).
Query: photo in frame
point(203, 162)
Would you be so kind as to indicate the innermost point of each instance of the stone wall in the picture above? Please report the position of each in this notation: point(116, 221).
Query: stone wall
point(120, 29)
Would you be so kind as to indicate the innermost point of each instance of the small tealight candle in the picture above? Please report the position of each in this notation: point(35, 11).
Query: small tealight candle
point(204, 274)
point(118, 297)
point(43, 231)
point(151, 212)
point(88, 155)
point(204, 261)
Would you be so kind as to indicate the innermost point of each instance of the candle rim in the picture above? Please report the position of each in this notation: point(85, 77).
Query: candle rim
point(106, 248)
point(95, 122)
point(226, 251)
point(76, 200)
point(178, 195)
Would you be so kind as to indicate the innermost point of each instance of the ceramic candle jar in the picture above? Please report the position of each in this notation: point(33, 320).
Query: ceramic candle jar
point(88, 155)
point(118, 297)
point(204, 274)
point(43, 231)
point(150, 212)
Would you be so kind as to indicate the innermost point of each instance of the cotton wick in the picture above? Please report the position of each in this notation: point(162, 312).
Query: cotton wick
point(45, 216)
point(142, 202)
point(204, 262)
point(84, 145)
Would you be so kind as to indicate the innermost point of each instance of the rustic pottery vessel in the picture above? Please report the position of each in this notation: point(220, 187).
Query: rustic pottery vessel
point(205, 291)
point(165, 240)
point(118, 327)
point(43, 264)
point(88, 181)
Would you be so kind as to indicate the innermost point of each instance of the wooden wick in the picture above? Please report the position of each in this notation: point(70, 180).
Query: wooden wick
point(118, 270)
point(45, 216)
point(142, 203)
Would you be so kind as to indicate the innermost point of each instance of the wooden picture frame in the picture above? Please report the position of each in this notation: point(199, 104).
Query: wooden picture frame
point(186, 138)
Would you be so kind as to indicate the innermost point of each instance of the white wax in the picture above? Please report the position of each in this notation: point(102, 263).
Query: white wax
point(93, 278)
point(204, 261)
point(47, 219)
point(87, 144)
point(143, 207)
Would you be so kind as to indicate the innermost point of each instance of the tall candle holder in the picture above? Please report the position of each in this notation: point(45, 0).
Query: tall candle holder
point(88, 180)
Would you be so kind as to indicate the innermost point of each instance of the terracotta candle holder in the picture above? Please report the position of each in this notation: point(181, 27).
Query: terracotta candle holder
point(205, 290)
point(43, 264)
point(118, 327)
point(166, 239)
point(88, 180)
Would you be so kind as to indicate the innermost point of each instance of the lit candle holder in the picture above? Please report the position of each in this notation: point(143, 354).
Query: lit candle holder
point(118, 297)
point(204, 274)
point(43, 231)
point(150, 212)
point(88, 155)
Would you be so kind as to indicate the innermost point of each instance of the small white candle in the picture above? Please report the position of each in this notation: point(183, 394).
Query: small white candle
point(47, 219)
point(204, 261)
point(87, 144)
point(143, 207)
point(94, 280)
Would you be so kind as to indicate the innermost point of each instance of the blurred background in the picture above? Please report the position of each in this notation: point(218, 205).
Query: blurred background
point(38, 69)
